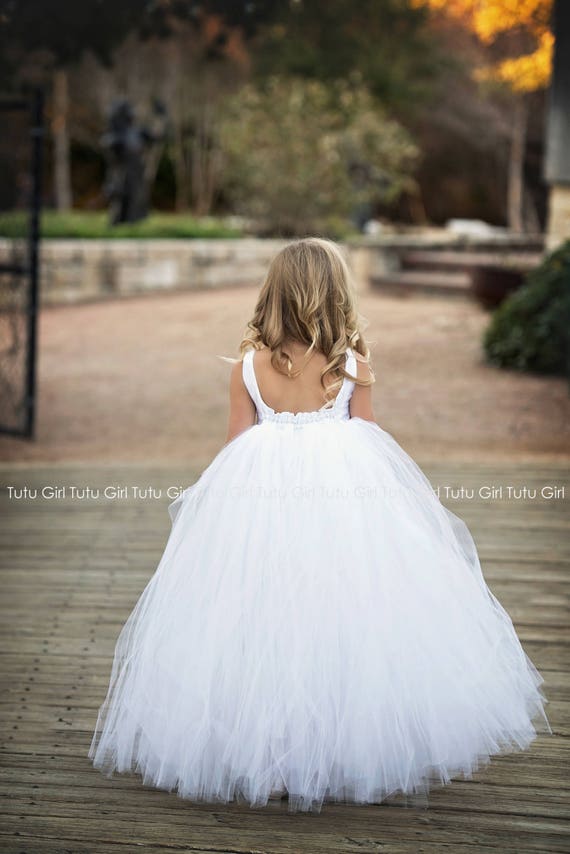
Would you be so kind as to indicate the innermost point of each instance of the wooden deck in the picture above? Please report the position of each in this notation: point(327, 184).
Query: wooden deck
point(72, 571)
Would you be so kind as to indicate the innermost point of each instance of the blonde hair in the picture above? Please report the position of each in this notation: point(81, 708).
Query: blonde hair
point(308, 296)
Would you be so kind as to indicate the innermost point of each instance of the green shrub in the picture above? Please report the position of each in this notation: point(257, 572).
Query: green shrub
point(300, 155)
point(530, 331)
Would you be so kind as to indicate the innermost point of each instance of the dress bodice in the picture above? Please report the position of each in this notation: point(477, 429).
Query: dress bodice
point(337, 410)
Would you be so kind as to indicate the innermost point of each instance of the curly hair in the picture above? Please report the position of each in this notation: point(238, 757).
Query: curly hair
point(308, 297)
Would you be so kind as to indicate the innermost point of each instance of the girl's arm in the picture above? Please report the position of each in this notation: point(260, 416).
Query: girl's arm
point(242, 408)
point(361, 398)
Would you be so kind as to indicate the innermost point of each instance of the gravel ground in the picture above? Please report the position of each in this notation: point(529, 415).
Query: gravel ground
point(138, 380)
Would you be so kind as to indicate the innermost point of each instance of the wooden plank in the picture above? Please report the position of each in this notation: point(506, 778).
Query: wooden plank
point(336, 829)
point(66, 594)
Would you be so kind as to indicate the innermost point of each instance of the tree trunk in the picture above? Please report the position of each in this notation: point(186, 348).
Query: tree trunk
point(200, 163)
point(516, 166)
point(181, 172)
point(60, 133)
point(531, 219)
point(206, 160)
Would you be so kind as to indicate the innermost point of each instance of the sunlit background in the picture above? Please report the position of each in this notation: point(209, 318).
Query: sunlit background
point(181, 144)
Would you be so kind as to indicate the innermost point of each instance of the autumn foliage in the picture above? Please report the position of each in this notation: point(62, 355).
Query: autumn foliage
point(523, 25)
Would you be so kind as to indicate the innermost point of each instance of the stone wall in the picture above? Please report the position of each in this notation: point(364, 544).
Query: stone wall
point(75, 271)
point(558, 216)
point(81, 270)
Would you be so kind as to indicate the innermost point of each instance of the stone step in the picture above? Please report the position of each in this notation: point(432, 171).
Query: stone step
point(423, 281)
point(465, 261)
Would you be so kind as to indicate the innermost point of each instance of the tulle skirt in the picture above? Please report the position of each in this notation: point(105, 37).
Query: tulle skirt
point(318, 625)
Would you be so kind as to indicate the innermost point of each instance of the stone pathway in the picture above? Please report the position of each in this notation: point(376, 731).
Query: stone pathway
point(139, 380)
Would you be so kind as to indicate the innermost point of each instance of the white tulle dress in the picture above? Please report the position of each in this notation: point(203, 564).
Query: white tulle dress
point(318, 625)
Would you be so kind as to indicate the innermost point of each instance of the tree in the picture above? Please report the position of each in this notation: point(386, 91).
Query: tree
point(521, 44)
point(45, 39)
point(190, 70)
point(203, 66)
point(296, 152)
point(386, 41)
point(50, 38)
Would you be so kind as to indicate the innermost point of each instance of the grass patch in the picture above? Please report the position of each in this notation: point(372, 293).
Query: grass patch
point(88, 225)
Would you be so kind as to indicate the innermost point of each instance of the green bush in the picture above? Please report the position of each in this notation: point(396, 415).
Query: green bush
point(530, 331)
point(95, 224)
point(300, 155)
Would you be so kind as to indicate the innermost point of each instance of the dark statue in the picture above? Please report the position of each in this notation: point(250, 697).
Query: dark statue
point(130, 161)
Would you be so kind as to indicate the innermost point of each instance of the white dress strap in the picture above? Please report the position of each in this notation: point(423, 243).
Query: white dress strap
point(347, 387)
point(351, 367)
point(250, 380)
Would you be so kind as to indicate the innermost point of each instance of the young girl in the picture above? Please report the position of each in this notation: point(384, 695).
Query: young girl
point(318, 625)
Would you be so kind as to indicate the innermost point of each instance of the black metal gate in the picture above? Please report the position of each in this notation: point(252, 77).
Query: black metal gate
point(21, 143)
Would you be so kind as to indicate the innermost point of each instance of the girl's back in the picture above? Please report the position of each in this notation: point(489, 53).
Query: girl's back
point(301, 392)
